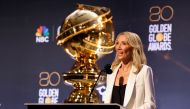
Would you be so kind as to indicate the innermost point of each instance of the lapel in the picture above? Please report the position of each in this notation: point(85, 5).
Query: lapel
point(130, 85)
point(112, 81)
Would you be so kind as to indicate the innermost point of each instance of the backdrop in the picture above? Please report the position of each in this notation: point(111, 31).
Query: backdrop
point(31, 68)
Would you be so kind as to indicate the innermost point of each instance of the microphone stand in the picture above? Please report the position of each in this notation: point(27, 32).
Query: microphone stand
point(94, 87)
point(107, 70)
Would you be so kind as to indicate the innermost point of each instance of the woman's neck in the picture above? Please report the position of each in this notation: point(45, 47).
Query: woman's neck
point(126, 64)
point(127, 61)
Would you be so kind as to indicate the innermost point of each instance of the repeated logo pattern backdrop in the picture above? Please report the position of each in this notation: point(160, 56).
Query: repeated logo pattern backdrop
point(32, 65)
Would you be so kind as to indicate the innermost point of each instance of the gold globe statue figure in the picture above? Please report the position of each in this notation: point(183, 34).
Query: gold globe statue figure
point(86, 35)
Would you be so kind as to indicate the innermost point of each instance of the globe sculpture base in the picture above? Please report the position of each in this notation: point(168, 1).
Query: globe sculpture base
point(82, 77)
point(82, 96)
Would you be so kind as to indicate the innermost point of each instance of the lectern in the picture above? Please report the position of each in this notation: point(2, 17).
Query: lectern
point(72, 106)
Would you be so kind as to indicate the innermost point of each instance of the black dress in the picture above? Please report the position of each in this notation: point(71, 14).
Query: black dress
point(118, 94)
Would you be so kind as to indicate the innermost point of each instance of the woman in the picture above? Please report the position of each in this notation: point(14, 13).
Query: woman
point(131, 83)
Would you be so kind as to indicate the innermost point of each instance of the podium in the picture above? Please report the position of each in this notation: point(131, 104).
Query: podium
point(72, 106)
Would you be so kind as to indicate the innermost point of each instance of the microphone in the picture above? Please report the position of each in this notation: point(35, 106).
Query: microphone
point(121, 80)
point(107, 70)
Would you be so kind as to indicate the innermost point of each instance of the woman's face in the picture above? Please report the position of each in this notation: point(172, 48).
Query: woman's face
point(123, 49)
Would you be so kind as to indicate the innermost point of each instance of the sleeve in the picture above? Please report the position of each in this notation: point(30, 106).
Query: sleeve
point(149, 101)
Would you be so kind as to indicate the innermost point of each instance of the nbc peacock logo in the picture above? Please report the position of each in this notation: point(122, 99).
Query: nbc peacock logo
point(42, 34)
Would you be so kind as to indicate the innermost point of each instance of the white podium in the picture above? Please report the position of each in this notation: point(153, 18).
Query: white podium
point(72, 106)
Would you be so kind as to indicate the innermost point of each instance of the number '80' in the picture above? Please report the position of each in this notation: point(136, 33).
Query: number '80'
point(49, 79)
point(157, 13)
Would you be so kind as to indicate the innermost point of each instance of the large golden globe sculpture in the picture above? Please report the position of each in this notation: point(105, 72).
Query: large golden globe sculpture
point(86, 35)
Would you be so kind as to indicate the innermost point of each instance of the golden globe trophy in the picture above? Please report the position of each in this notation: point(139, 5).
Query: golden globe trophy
point(86, 35)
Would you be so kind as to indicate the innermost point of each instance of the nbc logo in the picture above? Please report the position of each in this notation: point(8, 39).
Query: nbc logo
point(42, 34)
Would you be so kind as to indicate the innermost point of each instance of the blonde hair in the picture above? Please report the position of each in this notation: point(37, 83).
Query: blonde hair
point(138, 56)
